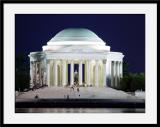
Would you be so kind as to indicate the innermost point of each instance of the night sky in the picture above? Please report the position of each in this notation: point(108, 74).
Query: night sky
point(122, 32)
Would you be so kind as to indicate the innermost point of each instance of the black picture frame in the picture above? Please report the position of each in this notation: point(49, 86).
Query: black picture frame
point(3, 2)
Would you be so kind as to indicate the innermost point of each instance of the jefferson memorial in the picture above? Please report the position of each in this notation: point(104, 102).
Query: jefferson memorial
point(76, 56)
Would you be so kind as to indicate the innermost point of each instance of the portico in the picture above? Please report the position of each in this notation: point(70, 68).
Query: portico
point(62, 66)
point(55, 65)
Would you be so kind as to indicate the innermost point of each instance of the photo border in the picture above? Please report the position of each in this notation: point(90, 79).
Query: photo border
point(50, 1)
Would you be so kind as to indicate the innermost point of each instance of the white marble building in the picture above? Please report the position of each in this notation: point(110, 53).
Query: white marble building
point(76, 56)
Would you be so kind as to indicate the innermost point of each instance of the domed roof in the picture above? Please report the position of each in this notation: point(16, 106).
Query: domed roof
point(71, 35)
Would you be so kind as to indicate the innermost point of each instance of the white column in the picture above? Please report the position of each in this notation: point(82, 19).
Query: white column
point(116, 68)
point(31, 73)
point(55, 73)
point(108, 62)
point(64, 73)
point(72, 73)
point(35, 72)
point(104, 73)
point(96, 74)
point(118, 73)
point(40, 73)
point(86, 69)
point(121, 66)
point(48, 73)
point(112, 73)
point(86, 72)
point(109, 72)
point(89, 72)
point(52, 72)
point(80, 73)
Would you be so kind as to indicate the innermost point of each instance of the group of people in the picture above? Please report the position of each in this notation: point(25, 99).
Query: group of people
point(72, 88)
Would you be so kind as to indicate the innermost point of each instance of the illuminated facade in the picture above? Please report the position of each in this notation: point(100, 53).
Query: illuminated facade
point(76, 56)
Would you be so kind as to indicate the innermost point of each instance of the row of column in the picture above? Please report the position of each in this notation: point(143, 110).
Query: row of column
point(88, 74)
point(37, 73)
point(116, 73)
point(97, 72)
point(55, 66)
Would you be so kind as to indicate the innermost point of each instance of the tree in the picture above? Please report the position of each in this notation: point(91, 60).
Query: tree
point(125, 82)
point(125, 68)
point(138, 82)
point(132, 82)
point(21, 72)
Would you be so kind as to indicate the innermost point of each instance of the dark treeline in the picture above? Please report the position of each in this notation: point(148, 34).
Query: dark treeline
point(131, 81)
point(21, 72)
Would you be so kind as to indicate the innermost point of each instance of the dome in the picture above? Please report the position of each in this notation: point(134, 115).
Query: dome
point(71, 36)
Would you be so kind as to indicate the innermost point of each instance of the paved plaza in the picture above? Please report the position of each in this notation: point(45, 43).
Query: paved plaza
point(72, 93)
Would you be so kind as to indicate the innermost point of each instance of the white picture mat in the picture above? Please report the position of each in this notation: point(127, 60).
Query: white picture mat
point(150, 11)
